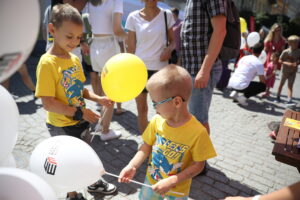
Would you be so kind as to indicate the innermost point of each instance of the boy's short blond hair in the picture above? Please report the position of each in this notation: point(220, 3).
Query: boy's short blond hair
point(65, 12)
point(293, 38)
point(171, 80)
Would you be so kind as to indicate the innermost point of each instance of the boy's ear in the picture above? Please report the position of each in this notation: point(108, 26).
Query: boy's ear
point(177, 101)
point(51, 28)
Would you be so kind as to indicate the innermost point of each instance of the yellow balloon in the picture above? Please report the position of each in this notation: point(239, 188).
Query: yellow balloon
point(243, 24)
point(124, 77)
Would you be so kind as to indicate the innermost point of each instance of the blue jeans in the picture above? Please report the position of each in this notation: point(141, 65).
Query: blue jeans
point(201, 97)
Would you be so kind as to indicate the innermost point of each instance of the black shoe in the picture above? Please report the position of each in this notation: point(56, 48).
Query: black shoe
point(102, 187)
point(78, 197)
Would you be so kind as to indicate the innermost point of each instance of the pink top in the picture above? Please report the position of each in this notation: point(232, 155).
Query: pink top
point(271, 47)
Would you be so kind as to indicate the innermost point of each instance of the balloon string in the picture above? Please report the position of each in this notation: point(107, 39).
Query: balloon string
point(98, 126)
point(139, 183)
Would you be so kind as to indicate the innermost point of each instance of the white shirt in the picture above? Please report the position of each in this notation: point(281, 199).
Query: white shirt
point(150, 37)
point(248, 67)
point(101, 16)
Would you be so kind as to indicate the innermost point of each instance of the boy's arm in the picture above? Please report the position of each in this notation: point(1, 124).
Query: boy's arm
point(129, 171)
point(163, 186)
point(105, 101)
point(51, 104)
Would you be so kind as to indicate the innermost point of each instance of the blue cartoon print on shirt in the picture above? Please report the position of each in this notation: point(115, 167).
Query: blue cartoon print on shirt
point(73, 86)
point(166, 158)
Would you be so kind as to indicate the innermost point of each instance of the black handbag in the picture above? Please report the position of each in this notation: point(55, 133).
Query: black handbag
point(174, 57)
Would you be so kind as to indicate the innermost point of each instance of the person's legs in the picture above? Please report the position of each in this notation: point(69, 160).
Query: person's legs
point(281, 84)
point(253, 89)
point(26, 78)
point(142, 108)
point(96, 83)
point(5, 84)
point(291, 80)
point(201, 98)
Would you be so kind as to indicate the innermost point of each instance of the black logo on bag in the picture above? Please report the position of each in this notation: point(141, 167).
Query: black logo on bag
point(50, 165)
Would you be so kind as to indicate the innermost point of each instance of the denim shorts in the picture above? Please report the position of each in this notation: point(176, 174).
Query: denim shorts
point(147, 193)
point(201, 97)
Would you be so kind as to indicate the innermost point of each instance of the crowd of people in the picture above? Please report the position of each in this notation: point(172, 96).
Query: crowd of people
point(88, 33)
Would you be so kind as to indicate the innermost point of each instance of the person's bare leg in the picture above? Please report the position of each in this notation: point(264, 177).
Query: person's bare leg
point(290, 90)
point(280, 88)
point(119, 108)
point(26, 77)
point(107, 115)
point(95, 82)
point(142, 108)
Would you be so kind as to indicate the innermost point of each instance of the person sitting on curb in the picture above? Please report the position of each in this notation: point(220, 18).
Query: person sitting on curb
point(242, 79)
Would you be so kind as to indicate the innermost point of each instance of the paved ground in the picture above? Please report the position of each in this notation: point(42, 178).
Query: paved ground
point(244, 165)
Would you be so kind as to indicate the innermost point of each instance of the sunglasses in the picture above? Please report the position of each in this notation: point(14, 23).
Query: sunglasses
point(154, 104)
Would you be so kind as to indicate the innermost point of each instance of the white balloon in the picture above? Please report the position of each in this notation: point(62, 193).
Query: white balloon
point(66, 163)
point(19, 22)
point(16, 184)
point(243, 43)
point(263, 57)
point(253, 38)
point(8, 123)
point(9, 161)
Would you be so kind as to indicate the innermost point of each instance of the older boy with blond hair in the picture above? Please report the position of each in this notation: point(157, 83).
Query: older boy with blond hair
point(60, 81)
point(176, 142)
point(290, 59)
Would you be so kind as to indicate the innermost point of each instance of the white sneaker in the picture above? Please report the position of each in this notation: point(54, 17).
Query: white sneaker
point(110, 135)
point(233, 94)
point(242, 100)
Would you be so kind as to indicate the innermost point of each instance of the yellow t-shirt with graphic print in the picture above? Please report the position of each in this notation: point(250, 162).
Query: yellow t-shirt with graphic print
point(174, 149)
point(63, 79)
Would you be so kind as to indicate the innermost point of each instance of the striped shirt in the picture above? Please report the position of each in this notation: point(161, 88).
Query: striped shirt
point(196, 31)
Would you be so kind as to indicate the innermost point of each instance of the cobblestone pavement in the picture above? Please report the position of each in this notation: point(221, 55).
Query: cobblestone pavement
point(244, 165)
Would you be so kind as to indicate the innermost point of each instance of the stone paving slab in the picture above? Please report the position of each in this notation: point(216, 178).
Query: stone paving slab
point(244, 165)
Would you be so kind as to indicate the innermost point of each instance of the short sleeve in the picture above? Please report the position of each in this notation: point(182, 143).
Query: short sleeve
point(216, 7)
point(118, 7)
point(149, 134)
point(170, 19)
point(45, 84)
point(203, 148)
point(130, 25)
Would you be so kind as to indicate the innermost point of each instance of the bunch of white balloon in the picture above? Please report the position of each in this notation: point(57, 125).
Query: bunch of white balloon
point(19, 22)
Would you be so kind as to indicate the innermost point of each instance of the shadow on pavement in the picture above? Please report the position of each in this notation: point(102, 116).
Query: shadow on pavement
point(216, 185)
point(128, 121)
point(29, 107)
point(115, 155)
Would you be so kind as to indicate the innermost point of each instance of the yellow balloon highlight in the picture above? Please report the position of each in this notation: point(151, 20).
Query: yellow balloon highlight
point(124, 77)
point(243, 24)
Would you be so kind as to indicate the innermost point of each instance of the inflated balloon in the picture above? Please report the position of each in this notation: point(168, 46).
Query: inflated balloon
point(243, 43)
point(16, 184)
point(123, 77)
point(20, 22)
point(253, 38)
point(9, 118)
point(8, 162)
point(243, 24)
point(263, 57)
point(66, 163)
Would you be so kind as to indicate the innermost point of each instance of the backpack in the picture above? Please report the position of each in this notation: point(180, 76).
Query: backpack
point(232, 40)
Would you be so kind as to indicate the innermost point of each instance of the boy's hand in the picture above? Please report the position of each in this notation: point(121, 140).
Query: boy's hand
point(127, 174)
point(105, 101)
point(90, 116)
point(164, 185)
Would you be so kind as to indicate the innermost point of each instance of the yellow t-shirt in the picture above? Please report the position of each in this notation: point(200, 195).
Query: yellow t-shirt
point(174, 149)
point(62, 79)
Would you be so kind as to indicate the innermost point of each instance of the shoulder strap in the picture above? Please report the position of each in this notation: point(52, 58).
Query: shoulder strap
point(166, 25)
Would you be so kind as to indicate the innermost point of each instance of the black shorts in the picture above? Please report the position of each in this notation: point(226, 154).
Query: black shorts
point(86, 67)
point(150, 73)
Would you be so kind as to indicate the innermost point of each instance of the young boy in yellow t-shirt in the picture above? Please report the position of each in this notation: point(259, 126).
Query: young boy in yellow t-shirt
point(176, 142)
point(60, 81)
